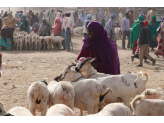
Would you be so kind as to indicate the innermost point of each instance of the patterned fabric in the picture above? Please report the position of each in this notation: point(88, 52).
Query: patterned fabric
point(160, 48)
point(6, 44)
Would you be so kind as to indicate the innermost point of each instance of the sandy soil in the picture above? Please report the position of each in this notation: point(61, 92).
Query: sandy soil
point(21, 68)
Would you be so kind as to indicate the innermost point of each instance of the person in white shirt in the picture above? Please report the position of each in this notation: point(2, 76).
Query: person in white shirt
point(120, 17)
point(68, 26)
point(126, 30)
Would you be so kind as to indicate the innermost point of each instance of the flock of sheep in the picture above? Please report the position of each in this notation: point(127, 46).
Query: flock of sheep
point(81, 86)
point(32, 41)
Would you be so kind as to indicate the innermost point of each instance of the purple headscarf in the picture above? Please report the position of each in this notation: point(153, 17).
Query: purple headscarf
point(106, 48)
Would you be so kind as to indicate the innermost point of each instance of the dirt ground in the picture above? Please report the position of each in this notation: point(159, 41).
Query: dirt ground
point(21, 68)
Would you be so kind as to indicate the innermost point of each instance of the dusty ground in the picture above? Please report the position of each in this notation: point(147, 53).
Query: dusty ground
point(25, 67)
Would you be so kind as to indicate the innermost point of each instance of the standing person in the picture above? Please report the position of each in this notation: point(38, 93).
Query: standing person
point(160, 48)
point(148, 14)
point(144, 40)
point(2, 13)
point(98, 45)
point(5, 15)
point(140, 12)
point(96, 15)
point(58, 16)
point(134, 34)
point(57, 27)
point(41, 16)
point(120, 17)
point(20, 18)
point(0, 23)
point(87, 21)
point(152, 13)
point(63, 31)
point(106, 15)
point(83, 16)
point(136, 55)
point(24, 25)
point(103, 22)
point(131, 18)
point(33, 19)
point(110, 28)
point(100, 15)
point(153, 25)
point(37, 14)
point(45, 16)
point(126, 30)
point(29, 15)
point(52, 16)
point(68, 26)
point(17, 15)
point(79, 23)
point(76, 16)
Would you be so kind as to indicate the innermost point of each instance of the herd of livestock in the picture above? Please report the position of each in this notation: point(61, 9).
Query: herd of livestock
point(32, 41)
point(81, 86)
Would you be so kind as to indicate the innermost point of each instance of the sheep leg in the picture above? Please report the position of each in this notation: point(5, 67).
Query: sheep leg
point(90, 109)
point(126, 102)
point(95, 110)
point(43, 113)
point(81, 112)
point(32, 110)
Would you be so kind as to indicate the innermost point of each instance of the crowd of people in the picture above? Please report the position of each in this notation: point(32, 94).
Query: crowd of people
point(99, 34)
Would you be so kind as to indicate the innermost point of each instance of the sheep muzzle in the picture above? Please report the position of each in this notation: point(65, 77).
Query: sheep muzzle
point(38, 101)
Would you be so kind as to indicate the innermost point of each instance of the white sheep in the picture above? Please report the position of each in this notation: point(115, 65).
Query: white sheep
point(61, 93)
point(2, 108)
point(78, 30)
point(16, 42)
point(60, 110)
point(21, 39)
point(124, 88)
point(38, 97)
point(33, 41)
point(27, 40)
point(40, 42)
point(47, 41)
point(147, 107)
point(114, 109)
point(57, 39)
point(20, 111)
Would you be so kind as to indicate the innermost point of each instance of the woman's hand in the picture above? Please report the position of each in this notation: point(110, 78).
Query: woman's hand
point(95, 66)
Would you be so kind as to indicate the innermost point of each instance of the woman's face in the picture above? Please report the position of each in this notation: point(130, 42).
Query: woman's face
point(90, 33)
point(23, 17)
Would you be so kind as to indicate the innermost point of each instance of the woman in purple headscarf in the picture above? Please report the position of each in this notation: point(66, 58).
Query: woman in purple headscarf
point(98, 45)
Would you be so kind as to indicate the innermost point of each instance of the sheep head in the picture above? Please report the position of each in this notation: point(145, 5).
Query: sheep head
point(83, 64)
point(68, 74)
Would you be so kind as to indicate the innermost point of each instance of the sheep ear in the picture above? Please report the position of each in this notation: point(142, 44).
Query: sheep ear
point(91, 60)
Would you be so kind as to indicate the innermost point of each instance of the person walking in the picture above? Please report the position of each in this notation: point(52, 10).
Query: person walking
point(110, 28)
point(126, 30)
point(144, 41)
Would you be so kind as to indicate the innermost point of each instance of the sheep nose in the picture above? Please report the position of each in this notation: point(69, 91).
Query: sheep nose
point(38, 101)
point(76, 69)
